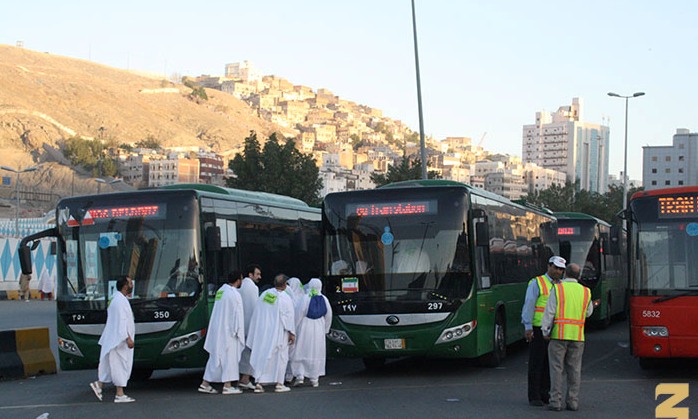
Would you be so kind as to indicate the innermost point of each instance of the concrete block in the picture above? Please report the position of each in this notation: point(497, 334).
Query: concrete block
point(34, 350)
point(11, 365)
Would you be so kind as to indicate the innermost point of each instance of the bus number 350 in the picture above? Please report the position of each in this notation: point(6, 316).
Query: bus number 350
point(161, 315)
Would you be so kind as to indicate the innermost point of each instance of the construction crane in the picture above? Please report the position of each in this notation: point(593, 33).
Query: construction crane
point(482, 139)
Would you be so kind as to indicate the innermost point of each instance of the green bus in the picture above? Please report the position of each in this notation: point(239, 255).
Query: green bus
point(177, 243)
point(598, 248)
point(429, 268)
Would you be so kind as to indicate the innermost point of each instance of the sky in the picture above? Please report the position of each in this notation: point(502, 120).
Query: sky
point(486, 67)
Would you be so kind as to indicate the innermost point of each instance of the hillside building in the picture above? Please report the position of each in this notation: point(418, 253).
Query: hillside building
point(244, 71)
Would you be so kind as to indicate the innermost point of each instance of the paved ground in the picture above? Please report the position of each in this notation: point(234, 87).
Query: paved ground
point(613, 386)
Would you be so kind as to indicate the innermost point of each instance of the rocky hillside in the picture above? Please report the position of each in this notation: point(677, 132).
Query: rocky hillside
point(45, 99)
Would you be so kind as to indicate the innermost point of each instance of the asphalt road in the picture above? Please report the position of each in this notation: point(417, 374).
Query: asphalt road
point(613, 386)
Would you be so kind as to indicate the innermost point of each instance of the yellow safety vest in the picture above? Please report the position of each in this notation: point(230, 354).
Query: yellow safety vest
point(572, 302)
point(544, 286)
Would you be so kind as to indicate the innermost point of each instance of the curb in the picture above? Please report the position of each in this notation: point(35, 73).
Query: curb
point(14, 295)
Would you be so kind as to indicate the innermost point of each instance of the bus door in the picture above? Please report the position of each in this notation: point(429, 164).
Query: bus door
point(220, 243)
point(482, 248)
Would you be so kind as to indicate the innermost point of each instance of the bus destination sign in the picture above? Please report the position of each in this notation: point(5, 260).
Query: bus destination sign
point(381, 209)
point(145, 211)
point(568, 231)
point(677, 206)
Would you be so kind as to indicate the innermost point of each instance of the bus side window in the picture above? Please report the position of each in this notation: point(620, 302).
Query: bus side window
point(590, 270)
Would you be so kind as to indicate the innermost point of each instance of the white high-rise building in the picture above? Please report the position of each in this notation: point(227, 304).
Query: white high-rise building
point(672, 165)
point(562, 141)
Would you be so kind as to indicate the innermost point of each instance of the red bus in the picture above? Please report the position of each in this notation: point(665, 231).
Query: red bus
point(663, 246)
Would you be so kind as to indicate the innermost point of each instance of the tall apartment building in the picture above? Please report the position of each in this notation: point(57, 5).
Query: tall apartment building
point(674, 165)
point(564, 142)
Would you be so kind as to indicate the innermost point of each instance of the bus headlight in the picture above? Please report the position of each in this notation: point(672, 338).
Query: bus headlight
point(655, 331)
point(183, 342)
point(339, 336)
point(458, 332)
point(69, 347)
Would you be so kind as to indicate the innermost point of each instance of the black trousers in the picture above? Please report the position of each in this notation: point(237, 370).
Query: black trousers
point(538, 370)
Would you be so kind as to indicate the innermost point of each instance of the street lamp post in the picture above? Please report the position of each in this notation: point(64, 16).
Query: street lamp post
point(625, 151)
point(18, 172)
point(422, 146)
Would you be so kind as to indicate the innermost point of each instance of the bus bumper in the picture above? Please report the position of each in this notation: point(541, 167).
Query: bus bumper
point(430, 340)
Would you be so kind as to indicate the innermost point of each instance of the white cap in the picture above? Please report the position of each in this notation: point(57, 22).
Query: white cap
point(558, 261)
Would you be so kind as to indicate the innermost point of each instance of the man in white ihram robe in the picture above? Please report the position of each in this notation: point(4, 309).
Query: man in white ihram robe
point(117, 341)
point(309, 353)
point(272, 330)
point(249, 293)
point(225, 338)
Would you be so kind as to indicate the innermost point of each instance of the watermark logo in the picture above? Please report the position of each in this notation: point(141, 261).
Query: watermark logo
point(667, 409)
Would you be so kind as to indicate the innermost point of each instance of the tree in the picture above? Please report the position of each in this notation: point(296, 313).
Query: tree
point(149, 142)
point(90, 154)
point(571, 198)
point(277, 168)
point(198, 94)
point(408, 169)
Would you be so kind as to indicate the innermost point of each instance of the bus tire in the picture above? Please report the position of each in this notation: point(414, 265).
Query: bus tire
point(141, 374)
point(373, 364)
point(607, 320)
point(648, 363)
point(499, 343)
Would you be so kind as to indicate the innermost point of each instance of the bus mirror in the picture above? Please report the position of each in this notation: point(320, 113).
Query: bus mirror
point(53, 248)
point(482, 234)
point(25, 259)
point(611, 246)
point(35, 244)
point(213, 238)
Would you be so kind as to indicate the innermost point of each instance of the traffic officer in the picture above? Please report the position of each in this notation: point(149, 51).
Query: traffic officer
point(563, 323)
point(531, 316)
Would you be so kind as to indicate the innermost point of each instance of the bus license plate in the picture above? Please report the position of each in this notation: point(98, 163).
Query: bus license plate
point(394, 343)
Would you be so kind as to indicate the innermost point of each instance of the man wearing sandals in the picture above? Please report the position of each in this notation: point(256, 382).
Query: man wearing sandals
point(272, 330)
point(225, 338)
point(116, 355)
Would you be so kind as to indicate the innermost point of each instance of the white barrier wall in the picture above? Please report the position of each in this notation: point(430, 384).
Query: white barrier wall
point(9, 263)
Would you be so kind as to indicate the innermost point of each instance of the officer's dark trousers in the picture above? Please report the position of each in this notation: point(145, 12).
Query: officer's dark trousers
point(538, 370)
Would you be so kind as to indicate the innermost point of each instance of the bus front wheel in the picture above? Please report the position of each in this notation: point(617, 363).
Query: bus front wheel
point(499, 344)
point(373, 364)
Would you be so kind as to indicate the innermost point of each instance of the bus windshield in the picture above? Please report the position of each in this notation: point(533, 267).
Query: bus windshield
point(150, 237)
point(667, 258)
point(579, 244)
point(397, 249)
